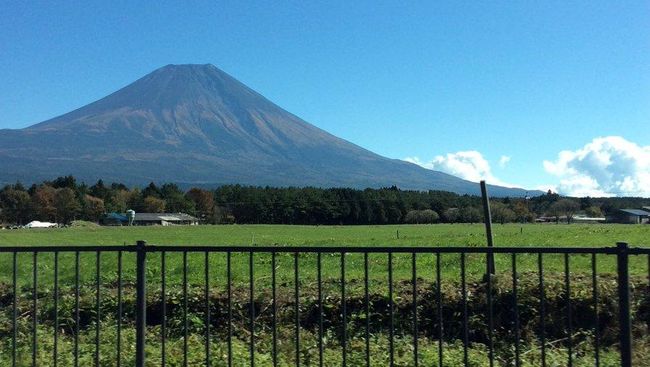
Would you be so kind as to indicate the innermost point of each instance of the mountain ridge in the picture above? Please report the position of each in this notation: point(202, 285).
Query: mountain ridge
point(197, 124)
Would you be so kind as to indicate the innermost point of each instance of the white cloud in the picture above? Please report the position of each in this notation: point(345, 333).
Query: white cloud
point(607, 166)
point(503, 161)
point(469, 165)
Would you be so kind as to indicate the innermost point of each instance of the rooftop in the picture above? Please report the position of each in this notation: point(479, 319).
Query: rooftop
point(638, 212)
point(169, 217)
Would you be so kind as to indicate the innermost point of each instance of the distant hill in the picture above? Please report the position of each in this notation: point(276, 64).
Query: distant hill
point(197, 125)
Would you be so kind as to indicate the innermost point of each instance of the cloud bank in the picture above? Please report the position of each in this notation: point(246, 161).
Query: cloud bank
point(607, 166)
point(469, 165)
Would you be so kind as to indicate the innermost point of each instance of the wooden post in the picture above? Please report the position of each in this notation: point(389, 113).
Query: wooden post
point(487, 216)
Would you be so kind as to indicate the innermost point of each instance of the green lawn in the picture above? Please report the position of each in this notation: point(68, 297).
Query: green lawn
point(409, 235)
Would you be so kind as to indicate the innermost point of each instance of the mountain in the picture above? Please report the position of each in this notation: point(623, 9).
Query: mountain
point(197, 125)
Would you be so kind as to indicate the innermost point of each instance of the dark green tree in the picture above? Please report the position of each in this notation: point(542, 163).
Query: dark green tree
point(66, 204)
point(15, 206)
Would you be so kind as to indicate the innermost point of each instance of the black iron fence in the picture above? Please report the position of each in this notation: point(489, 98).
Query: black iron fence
point(128, 305)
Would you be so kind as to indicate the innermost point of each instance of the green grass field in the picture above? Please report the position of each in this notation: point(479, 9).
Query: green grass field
point(409, 235)
point(278, 235)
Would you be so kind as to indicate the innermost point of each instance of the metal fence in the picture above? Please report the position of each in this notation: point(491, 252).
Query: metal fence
point(22, 336)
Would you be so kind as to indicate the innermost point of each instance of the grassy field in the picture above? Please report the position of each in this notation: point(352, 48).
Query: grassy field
point(409, 235)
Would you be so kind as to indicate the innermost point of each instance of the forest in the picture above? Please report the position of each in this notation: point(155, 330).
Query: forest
point(64, 200)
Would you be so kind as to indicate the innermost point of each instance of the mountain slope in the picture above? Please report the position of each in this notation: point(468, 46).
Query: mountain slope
point(195, 124)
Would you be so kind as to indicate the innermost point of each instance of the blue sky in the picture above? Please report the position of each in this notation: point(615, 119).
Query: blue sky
point(509, 85)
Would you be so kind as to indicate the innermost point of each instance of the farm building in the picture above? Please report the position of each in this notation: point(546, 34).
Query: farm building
point(149, 219)
point(164, 219)
point(114, 219)
point(586, 219)
point(630, 216)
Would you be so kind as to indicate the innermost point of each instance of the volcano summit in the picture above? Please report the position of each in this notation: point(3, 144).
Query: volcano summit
point(197, 125)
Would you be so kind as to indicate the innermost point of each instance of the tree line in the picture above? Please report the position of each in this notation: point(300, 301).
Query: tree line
point(64, 199)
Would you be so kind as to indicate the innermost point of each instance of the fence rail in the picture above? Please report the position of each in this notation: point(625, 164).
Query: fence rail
point(65, 316)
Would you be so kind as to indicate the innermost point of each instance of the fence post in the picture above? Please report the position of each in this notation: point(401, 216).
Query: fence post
point(141, 303)
point(624, 304)
point(487, 217)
